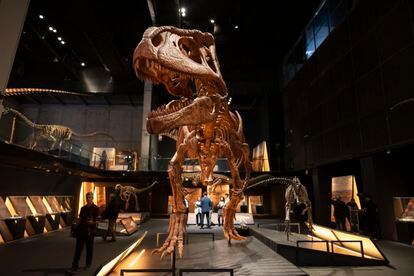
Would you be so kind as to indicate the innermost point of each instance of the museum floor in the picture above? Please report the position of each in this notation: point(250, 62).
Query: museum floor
point(51, 254)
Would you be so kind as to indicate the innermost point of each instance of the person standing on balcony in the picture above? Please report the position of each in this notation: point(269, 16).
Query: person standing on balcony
point(103, 158)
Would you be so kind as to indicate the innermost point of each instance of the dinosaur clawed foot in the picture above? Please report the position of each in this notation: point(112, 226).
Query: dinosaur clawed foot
point(228, 226)
point(176, 232)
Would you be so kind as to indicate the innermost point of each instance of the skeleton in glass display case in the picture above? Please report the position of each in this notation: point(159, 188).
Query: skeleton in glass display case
point(125, 193)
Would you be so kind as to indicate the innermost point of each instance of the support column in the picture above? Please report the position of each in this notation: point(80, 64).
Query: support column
point(145, 136)
point(12, 16)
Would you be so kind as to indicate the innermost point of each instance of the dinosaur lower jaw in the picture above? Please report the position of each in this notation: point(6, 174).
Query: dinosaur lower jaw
point(175, 114)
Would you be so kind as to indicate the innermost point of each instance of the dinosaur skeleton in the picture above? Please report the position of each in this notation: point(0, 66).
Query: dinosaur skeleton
point(200, 120)
point(56, 133)
point(9, 92)
point(125, 193)
point(295, 192)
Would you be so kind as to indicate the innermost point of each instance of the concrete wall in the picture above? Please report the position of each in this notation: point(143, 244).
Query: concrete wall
point(123, 123)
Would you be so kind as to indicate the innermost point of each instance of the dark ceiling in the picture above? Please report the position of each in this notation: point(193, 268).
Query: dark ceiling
point(251, 38)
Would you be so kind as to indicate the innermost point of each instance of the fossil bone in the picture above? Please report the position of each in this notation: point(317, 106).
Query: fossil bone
point(200, 120)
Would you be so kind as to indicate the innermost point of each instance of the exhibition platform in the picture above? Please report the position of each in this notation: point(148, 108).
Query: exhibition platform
point(52, 253)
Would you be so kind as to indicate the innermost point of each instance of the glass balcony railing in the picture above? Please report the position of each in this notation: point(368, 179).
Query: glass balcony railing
point(84, 151)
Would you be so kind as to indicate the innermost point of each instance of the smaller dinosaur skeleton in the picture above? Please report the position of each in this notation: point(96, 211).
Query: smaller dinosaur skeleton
point(56, 133)
point(125, 193)
point(31, 91)
point(295, 192)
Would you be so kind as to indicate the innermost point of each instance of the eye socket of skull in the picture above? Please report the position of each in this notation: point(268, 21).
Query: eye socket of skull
point(189, 48)
point(156, 40)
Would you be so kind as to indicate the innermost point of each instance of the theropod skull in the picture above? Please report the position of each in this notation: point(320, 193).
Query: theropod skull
point(176, 57)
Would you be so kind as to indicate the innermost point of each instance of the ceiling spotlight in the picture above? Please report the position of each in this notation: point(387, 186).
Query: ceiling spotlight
point(59, 38)
point(212, 21)
point(83, 64)
point(63, 42)
point(183, 14)
point(182, 10)
point(41, 16)
point(51, 28)
point(236, 27)
point(54, 30)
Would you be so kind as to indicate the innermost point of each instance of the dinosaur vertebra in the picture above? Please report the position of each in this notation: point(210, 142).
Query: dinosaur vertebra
point(125, 193)
point(30, 91)
point(56, 133)
point(206, 129)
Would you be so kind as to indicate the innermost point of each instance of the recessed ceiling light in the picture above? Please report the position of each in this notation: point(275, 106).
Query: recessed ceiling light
point(54, 30)
point(236, 27)
point(212, 21)
point(41, 16)
point(51, 28)
point(63, 42)
point(183, 10)
point(59, 38)
point(183, 14)
point(83, 64)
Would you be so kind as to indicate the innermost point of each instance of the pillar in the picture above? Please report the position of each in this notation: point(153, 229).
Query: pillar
point(145, 136)
point(12, 16)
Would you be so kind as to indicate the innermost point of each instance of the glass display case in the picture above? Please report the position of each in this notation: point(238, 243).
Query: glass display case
point(404, 209)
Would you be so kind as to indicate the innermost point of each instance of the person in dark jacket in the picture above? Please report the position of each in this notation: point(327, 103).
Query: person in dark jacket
point(111, 213)
point(206, 206)
point(85, 231)
point(340, 213)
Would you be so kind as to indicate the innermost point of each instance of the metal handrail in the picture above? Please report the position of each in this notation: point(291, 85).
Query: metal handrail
point(189, 234)
point(293, 223)
point(147, 270)
point(341, 241)
point(183, 270)
point(313, 241)
point(332, 244)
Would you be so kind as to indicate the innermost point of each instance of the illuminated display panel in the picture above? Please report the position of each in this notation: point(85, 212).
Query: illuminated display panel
point(38, 204)
point(20, 205)
point(4, 212)
point(404, 208)
point(328, 234)
point(344, 187)
point(54, 204)
point(111, 265)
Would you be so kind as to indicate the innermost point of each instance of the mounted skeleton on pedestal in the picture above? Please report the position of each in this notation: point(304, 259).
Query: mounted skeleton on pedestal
point(125, 193)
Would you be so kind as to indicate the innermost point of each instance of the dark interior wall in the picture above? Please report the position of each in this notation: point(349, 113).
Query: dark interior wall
point(354, 95)
point(389, 175)
point(23, 182)
point(123, 123)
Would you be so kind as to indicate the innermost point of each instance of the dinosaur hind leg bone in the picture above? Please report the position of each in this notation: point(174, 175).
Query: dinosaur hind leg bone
point(235, 198)
point(178, 219)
